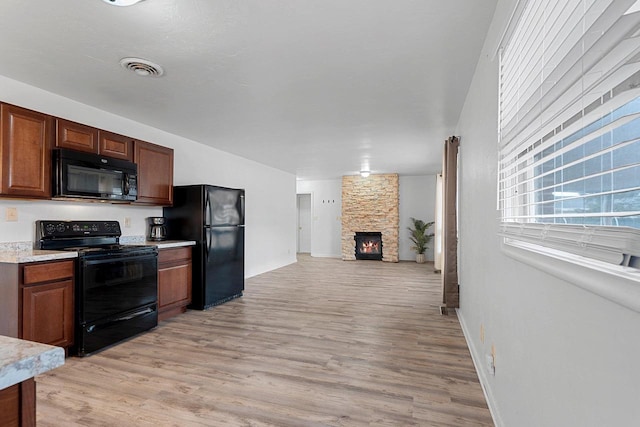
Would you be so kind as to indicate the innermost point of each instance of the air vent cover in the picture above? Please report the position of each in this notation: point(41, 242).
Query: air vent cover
point(142, 67)
point(121, 2)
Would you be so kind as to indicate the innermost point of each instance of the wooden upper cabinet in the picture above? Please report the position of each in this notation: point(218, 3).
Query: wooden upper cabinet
point(76, 136)
point(114, 145)
point(155, 173)
point(79, 137)
point(25, 150)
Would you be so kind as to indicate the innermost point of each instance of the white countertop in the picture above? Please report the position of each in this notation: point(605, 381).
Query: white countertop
point(21, 360)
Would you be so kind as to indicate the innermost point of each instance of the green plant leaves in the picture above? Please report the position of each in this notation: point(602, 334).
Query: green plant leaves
point(418, 235)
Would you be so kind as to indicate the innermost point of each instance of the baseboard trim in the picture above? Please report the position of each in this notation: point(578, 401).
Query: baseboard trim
point(315, 255)
point(484, 381)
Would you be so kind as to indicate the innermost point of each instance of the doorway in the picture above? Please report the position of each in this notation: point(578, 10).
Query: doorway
point(304, 223)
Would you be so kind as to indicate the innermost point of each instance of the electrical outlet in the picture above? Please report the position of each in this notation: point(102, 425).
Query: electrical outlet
point(127, 222)
point(492, 357)
point(12, 214)
point(491, 366)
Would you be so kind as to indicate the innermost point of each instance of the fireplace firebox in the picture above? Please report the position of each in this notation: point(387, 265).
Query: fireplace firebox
point(368, 245)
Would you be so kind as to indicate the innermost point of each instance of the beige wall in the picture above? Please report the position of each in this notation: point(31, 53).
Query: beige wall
point(371, 204)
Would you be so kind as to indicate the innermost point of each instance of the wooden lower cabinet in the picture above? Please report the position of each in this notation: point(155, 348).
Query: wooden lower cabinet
point(18, 405)
point(47, 313)
point(47, 291)
point(174, 281)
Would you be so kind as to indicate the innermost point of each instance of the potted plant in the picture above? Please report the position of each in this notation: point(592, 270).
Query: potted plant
point(420, 238)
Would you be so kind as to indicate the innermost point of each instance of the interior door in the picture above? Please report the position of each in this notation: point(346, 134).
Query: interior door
point(304, 223)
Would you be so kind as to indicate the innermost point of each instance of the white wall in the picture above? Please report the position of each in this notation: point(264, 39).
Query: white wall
point(417, 200)
point(326, 211)
point(271, 193)
point(564, 356)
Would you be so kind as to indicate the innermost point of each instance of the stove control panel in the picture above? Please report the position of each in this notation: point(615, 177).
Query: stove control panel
point(67, 229)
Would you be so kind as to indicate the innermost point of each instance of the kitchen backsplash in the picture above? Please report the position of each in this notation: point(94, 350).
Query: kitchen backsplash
point(29, 211)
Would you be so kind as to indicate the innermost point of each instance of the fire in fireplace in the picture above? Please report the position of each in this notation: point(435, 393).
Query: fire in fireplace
point(368, 245)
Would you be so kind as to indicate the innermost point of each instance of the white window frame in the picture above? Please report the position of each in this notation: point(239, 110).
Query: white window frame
point(602, 260)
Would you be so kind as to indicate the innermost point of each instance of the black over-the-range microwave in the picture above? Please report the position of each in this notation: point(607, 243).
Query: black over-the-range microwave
point(77, 174)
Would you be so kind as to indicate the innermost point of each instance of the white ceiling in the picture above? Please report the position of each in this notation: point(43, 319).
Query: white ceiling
point(314, 87)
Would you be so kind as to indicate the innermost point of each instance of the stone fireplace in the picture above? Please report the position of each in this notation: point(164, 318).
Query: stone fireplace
point(368, 245)
point(371, 205)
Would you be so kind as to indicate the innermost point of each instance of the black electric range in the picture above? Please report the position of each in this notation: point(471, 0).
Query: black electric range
point(116, 285)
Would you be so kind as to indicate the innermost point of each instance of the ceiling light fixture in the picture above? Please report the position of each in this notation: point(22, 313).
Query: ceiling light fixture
point(122, 2)
point(365, 174)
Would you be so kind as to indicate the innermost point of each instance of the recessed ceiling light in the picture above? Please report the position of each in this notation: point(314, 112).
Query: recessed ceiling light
point(142, 67)
point(122, 2)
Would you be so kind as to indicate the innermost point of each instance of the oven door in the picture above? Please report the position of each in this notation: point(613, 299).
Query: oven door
point(116, 283)
point(117, 298)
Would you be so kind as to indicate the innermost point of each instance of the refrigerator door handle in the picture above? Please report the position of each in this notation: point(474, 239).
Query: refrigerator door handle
point(207, 210)
point(241, 208)
point(207, 245)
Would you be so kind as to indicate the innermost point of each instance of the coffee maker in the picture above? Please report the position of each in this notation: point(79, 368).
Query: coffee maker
point(156, 229)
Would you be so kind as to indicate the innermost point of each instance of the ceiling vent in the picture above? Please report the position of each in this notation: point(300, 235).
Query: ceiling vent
point(121, 2)
point(142, 67)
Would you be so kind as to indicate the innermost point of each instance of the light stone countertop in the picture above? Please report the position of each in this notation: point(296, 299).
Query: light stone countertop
point(21, 360)
point(17, 256)
point(160, 244)
point(23, 252)
point(166, 244)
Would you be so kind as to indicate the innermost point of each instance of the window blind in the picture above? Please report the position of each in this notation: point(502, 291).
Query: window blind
point(569, 113)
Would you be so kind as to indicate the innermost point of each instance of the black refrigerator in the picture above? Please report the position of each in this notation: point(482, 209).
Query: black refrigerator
point(213, 217)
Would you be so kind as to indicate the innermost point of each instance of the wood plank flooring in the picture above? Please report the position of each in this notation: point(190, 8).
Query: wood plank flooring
point(322, 342)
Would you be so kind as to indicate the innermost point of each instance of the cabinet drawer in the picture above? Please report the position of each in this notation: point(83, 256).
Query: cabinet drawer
point(47, 272)
point(174, 254)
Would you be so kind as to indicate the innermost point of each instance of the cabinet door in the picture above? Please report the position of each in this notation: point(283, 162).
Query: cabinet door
point(18, 405)
point(174, 281)
point(47, 313)
point(174, 285)
point(114, 145)
point(155, 174)
point(26, 152)
point(10, 406)
point(76, 136)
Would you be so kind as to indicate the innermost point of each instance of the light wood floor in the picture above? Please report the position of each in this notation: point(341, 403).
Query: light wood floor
point(322, 342)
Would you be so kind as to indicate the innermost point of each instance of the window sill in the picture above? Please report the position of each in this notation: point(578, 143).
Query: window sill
point(618, 284)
